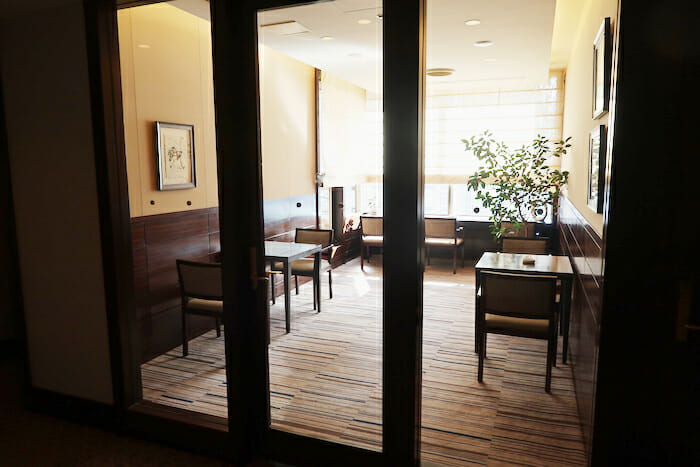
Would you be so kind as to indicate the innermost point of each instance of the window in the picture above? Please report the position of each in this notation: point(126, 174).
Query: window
point(465, 204)
point(437, 200)
point(371, 198)
point(349, 200)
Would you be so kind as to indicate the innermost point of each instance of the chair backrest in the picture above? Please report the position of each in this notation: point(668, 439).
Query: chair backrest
point(527, 246)
point(525, 230)
point(518, 295)
point(372, 225)
point(314, 236)
point(440, 227)
point(200, 280)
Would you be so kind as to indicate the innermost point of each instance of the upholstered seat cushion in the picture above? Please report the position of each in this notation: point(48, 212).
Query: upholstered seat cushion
point(534, 327)
point(302, 267)
point(373, 240)
point(435, 241)
point(212, 306)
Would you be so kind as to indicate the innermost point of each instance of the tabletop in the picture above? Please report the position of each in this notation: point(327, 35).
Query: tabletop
point(290, 251)
point(511, 262)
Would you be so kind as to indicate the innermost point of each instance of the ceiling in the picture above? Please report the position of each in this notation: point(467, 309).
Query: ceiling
point(526, 42)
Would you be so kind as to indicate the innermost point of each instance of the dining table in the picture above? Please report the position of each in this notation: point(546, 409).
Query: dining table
point(543, 265)
point(286, 253)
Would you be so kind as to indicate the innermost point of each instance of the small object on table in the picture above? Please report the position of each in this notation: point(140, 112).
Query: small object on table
point(528, 260)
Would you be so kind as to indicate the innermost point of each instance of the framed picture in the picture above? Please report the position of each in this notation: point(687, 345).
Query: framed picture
point(596, 168)
point(175, 161)
point(602, 65)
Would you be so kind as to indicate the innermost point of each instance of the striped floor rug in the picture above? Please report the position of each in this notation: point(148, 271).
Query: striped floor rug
point(325, 376)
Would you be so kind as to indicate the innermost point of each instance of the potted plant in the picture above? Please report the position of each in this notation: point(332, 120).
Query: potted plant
point(522, 183)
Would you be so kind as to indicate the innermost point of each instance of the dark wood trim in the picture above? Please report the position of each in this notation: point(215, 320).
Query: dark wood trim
point(236, 91)
point(113, 198)
point(7, 212)
point(583, 246)
point(317, 125)
point(404, 82)
point(646, 394)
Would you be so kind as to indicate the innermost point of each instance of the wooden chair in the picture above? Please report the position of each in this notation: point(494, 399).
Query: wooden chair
point(526, 246)
point(443, 233)
point(201, 293)
point(305, 267)
point(372, 236)
point(517, 305)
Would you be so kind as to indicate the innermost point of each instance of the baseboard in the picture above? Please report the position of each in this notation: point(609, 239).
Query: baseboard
point(75, 409)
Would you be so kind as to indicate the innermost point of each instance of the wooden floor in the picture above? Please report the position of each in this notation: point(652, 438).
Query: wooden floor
point(325, 376)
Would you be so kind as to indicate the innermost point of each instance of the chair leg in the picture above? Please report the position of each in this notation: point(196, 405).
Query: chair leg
point(272, 286)
point(313, 282)
point(482, 342)
point(218, 326)
point(462, 255)
point(330, 283)
point(454, 260)
point(185, 349)
point(550, 356)
point(362, 257)
point(296, 283)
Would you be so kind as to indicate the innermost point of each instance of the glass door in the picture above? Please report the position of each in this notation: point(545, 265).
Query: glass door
point(323, 350)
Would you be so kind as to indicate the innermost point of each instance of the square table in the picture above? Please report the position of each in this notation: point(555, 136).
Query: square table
point(286, 253)
point(545, 265)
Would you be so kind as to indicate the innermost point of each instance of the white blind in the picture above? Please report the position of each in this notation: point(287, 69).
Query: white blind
point(514, 115)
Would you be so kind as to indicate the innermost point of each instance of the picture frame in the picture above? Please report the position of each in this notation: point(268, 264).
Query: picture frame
point(602, 66)
point(175, 156)
point(597, 144)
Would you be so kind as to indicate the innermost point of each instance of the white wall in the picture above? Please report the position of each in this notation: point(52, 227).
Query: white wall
point(47, 101)
point(578, 121)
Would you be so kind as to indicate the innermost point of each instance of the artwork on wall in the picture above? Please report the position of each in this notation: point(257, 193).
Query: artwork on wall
point(175, 160)
point(596, 168)
point(602, 65)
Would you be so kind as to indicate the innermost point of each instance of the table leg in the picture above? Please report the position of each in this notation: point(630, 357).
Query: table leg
point(287, 298)
point(317, 279)
point(477, 284)
point(565, 315)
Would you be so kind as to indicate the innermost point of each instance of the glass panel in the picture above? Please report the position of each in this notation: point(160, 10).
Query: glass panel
point(504, 86)
point(325, 370)
point(179, 220)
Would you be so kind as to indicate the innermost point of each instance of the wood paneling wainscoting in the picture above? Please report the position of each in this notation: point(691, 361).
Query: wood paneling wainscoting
point(583, 245)
point(157, 242)
point(160, 239)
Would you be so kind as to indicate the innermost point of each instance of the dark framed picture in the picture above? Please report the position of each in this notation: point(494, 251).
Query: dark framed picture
point(175, 159)
point(596, 168)
point(602, 65)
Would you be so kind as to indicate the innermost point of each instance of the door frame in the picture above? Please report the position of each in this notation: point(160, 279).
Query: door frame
point(234, 40)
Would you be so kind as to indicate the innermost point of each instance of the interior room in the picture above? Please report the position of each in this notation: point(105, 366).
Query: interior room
point(517, 70)
point(468, 292)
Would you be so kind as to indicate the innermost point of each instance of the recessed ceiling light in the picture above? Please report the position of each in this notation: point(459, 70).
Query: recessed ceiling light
point(327, 38)
point(363, 21)
point(143, 46)
point(439, 71)
point(472, 22)
point(483, 43)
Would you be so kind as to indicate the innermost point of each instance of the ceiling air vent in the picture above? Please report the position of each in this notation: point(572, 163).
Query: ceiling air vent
point(285, 28)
